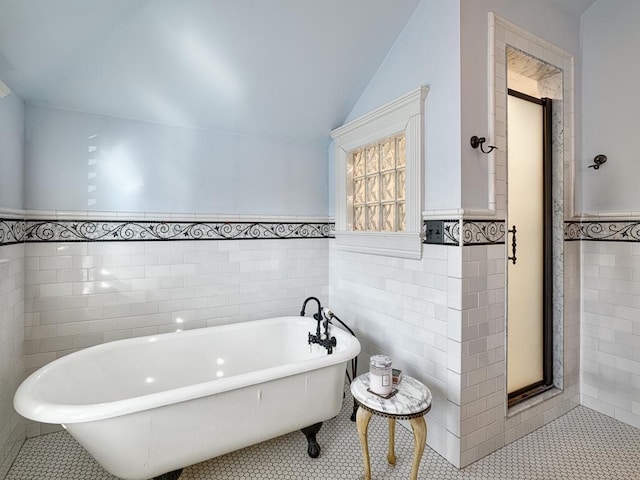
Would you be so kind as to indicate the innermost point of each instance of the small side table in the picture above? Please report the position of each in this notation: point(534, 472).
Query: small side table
point(412, 402)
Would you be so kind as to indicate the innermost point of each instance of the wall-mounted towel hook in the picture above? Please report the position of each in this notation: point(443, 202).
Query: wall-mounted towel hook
point(597, 161)
point(479, 141)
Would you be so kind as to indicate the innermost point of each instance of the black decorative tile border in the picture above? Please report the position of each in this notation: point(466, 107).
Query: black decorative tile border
point(492, 232)
point(452, 232)
point(16, 231)
point(11, 231)
point(603, 231)
point(474, 232)
point(483, 232)
point(442, 232)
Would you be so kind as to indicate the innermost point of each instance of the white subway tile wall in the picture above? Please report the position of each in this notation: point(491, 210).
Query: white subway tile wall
point(402, 308)
point(483, 395)
point(441, 318)
point(84, 294)
point(12, 288)
point(611, 329)
point(485, 424)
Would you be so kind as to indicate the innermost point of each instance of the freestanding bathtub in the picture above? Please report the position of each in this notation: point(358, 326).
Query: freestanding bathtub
point(146, 406)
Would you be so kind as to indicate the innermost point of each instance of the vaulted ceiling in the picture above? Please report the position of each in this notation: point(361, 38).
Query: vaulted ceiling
point(577, 7)
point(290, 69)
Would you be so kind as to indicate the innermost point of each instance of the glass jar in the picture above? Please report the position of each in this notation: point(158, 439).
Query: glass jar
point(380, 378)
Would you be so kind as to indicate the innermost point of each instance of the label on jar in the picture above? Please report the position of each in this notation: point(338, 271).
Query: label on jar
point(380, 378)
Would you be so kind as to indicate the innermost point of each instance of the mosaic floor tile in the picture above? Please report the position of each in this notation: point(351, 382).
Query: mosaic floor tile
point(581, 445)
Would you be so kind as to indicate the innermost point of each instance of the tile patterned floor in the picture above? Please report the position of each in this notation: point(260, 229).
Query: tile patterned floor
point(582, 445)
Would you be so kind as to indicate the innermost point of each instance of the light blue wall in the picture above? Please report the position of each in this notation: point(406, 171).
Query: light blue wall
point(542, 18)
point(145, 167)
point(444, 46)
point(427, 53)
point(611, 107)
point(331, 156)
point(11, 151)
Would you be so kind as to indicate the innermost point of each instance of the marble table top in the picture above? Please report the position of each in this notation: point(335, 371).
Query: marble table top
point(413, 397)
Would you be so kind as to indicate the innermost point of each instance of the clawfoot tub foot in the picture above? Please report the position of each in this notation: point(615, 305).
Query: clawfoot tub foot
point(310, 432)
point(169, 475)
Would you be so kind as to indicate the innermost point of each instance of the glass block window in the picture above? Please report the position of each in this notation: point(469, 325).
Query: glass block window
point(379, 186)
point(379, 179)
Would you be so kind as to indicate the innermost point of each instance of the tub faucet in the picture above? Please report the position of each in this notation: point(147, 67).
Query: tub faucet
point(319, 338)
point(317, 316)
point(326, 341)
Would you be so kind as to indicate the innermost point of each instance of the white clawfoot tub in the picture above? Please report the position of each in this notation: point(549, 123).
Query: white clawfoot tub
point(145, 406)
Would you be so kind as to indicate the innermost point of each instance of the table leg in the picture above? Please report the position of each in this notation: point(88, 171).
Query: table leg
point(391, 456)
point(362, 423)
point(419, 428)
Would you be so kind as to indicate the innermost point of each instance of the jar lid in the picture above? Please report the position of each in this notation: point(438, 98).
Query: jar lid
point(380, 361)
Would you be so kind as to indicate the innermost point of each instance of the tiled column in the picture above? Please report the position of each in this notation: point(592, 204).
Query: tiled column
point(483, 352)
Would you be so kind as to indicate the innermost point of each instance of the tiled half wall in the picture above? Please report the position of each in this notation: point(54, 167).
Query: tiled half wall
point(407, 309)
point(88, 281)
point(441, 317)
point(12, 291)
point(599, 334)
point(610, 327)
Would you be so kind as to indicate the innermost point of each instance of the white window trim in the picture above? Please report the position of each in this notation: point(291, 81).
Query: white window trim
point(405, 114)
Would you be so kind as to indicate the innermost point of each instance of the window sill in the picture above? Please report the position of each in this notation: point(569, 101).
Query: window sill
point(390, 244)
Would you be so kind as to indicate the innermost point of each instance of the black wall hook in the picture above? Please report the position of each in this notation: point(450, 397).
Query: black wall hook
point(597, 161)
point(479, 141)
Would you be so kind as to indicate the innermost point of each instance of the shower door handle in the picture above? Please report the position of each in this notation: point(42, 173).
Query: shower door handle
point(513, 245)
